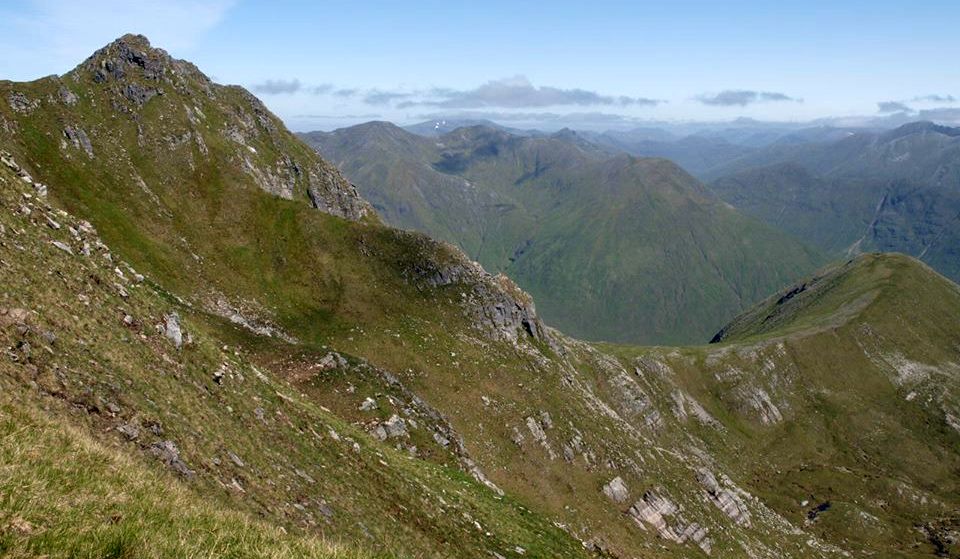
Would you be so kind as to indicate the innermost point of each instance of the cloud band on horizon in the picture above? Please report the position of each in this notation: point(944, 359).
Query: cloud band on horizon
point(511, 93)
point(744, 97)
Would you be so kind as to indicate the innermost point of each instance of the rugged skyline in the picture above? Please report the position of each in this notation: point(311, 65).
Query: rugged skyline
point(618, 65)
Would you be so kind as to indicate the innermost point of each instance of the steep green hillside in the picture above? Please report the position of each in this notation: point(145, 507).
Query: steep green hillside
point(843, 394)
point(828, 214)
point(198, 361)
point(108, 379)
point(611, 247)
point(896, 191)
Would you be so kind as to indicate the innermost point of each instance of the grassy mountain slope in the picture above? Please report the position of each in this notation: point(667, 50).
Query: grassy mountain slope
point(788, 196)
point(93, 377)
point(884, 191)
point(352, 384)
point(851, 380)
point(611, 247)
point(275, 437)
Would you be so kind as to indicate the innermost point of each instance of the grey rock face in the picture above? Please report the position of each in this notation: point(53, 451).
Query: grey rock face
point(172, 331)
point(8, 161)
point(138, 94)
point(235, 459)
point(506, 312)
point(62, 246)
point(79, 139)
point(494, 303)
point(331, 193)
point(327, 189)
point(725, 499)
point(659, 512)
point(129, 430)
point(126, 54)
point(255, 324)
point(539, 435)
point(281, 180)
point(20, 103)
point(395, 426)
point(68, 97)
point(654, 510)
point(331, 360)
point(760, 401)
point(616, 490)
point(441, 440)
point(685, 405)
point(536, 431)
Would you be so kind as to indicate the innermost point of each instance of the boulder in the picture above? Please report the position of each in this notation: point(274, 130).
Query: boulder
point(616, 490)
point(395, 426)
point(171, 325)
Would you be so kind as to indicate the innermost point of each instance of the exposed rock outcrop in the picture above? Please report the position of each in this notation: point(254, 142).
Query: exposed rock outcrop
point(169, 454)
point(659, 512)
point(20, 103)
point(79, 139)
point(616, 490)
point(171, 329)
point(727, 500)
point(494, 303)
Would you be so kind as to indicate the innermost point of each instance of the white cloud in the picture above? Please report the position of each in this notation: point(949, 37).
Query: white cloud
point(743, 97)
point(519, 92)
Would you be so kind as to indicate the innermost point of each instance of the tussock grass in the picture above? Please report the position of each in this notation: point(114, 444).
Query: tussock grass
point(65, 494)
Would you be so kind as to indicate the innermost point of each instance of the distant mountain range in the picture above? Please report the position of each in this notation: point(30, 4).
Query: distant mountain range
point(613, 247)
point(439, 127)
point(895, 190)
point(842, 189)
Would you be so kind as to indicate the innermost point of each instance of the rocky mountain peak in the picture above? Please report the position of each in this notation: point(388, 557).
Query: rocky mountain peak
point(129, 73)
point(132, 56)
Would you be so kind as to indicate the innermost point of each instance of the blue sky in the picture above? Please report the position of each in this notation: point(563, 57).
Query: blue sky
point(327, 64)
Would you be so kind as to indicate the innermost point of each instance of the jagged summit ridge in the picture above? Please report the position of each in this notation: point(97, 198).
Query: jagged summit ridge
point(134, 74)
point(128, 53)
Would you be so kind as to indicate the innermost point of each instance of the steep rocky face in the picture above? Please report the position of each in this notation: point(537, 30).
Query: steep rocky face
point(494, 303)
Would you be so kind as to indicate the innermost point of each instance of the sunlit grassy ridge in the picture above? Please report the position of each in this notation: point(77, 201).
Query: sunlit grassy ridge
point(851, 378)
